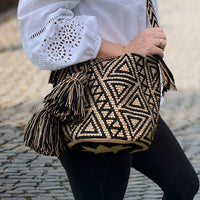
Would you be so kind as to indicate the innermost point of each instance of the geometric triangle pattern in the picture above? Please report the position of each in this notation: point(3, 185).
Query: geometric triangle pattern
point(122, 101)
point(122, 105)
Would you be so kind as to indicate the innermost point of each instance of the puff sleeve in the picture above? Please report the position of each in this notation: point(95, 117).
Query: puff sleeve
point(53, 37)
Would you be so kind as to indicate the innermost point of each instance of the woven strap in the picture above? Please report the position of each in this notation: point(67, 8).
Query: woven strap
point(152, 14)
point(168, 79)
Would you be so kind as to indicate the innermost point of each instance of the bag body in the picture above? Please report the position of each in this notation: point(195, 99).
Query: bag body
point(122, 101)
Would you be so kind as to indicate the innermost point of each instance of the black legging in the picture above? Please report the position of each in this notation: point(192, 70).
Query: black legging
point(105, 176)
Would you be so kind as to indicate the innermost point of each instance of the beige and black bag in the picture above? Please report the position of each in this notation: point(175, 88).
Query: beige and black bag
point(102, 105)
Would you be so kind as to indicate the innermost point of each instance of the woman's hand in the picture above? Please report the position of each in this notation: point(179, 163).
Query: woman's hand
point(150, 41)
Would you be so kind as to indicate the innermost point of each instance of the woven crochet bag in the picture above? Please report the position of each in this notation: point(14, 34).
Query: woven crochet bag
point(102, 105)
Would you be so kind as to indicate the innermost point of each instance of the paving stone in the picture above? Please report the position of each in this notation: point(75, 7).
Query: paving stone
point(56, 173)
point(49, 184)
point(51, 188)
point(31, 185)
point(10, 181)
point(6, 195)
point(18, 198)
point(10, 170)
point(30, 181)
point(26, 195)
point(15, 192)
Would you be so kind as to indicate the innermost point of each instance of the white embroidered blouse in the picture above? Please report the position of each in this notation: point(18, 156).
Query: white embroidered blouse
point(59, 33)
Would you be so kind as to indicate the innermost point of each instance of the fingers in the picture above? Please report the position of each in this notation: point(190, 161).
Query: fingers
point(159, 48)
point(161, 43)
point(150, 41)
point(157, 51)
point(158, 39)
point(155, 33)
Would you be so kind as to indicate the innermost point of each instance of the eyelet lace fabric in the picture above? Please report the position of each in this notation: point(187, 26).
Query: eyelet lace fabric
point(65, 40)
point(62, 41)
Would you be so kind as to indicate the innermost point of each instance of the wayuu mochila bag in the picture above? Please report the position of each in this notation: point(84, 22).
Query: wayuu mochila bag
point(102, 105)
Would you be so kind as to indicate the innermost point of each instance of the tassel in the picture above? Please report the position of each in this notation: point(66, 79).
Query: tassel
point(67, 100)
point(168, 79)
point(57, 76)
point(44, 134)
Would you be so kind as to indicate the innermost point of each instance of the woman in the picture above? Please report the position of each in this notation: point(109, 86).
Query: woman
point(59, 33)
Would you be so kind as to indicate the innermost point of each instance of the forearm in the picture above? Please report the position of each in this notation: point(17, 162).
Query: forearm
point(150, 41)
point(109, 49)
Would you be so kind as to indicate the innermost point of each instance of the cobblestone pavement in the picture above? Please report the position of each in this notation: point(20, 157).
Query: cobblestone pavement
point(27, 175)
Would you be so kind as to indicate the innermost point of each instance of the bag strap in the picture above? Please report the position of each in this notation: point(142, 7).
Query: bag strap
point(167, 76)
point(152, 14)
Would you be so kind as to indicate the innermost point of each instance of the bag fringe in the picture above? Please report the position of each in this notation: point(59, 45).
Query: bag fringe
point(168, 79)
point(67, 100)
point(44, 134)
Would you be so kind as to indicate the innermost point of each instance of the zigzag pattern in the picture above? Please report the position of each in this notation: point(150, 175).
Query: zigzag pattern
point(152, 14)
point(123, 100)
point(168, 79)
